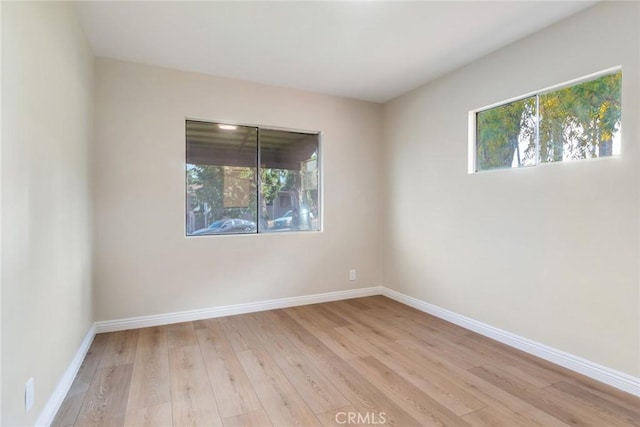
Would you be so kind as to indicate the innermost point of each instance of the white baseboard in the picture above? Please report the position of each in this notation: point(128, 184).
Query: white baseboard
point(57, 397)
point(230, 310)
point(593, 370)
point(617, 379)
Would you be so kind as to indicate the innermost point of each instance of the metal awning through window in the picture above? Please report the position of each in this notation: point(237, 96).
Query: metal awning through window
point(210, 144)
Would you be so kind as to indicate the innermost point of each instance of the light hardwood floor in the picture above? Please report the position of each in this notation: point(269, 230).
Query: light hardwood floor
point(355, 362)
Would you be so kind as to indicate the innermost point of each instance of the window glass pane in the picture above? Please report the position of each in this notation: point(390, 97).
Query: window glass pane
point(221, 178)
point(581, 121)
point(289, 181)
point(506, 136)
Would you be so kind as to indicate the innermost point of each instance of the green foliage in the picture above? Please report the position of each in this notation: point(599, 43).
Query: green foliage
point(208, 193)
point(272, 182)
point(576, 122)
point(579, 122)
point(206, 185)
point(499, 132)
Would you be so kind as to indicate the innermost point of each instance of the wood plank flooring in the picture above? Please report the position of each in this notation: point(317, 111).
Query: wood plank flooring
point(367, 361)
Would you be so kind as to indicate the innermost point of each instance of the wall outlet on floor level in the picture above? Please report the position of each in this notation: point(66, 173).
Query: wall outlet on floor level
point(28, 395)
point(352, 275)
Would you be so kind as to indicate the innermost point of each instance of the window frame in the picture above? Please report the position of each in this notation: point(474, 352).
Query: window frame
point(319, 167)
point(472, 166)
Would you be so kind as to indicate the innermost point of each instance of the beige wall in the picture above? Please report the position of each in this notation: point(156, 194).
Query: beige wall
point(550, 252)
point(145, 265)
point(499, 247)
point(46, 262)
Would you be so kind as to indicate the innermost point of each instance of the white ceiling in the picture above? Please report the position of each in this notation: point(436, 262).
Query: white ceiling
point(373, 51)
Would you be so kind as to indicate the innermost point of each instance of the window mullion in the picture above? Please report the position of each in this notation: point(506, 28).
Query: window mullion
point(258, 184)
point(537, 135)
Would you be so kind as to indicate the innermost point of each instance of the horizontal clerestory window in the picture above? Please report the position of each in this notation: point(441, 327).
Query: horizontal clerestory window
point(570, 122)
point(247, 180)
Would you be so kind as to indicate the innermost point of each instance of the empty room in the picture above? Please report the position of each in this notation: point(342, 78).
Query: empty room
point(320, 213)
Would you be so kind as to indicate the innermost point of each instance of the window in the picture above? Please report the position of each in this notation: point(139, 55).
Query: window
point(574, 122)
point(245, 179)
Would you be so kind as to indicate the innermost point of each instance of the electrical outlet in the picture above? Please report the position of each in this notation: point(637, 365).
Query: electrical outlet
point(352, 275)
point(28, 395)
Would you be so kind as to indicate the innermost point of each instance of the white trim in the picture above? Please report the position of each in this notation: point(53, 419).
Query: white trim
point(617, 379)
point(230, 310)
point(472, 149)
point(60, 392)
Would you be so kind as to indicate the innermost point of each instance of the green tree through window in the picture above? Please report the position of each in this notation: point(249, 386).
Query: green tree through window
point(576, 122)
point(246, 180)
